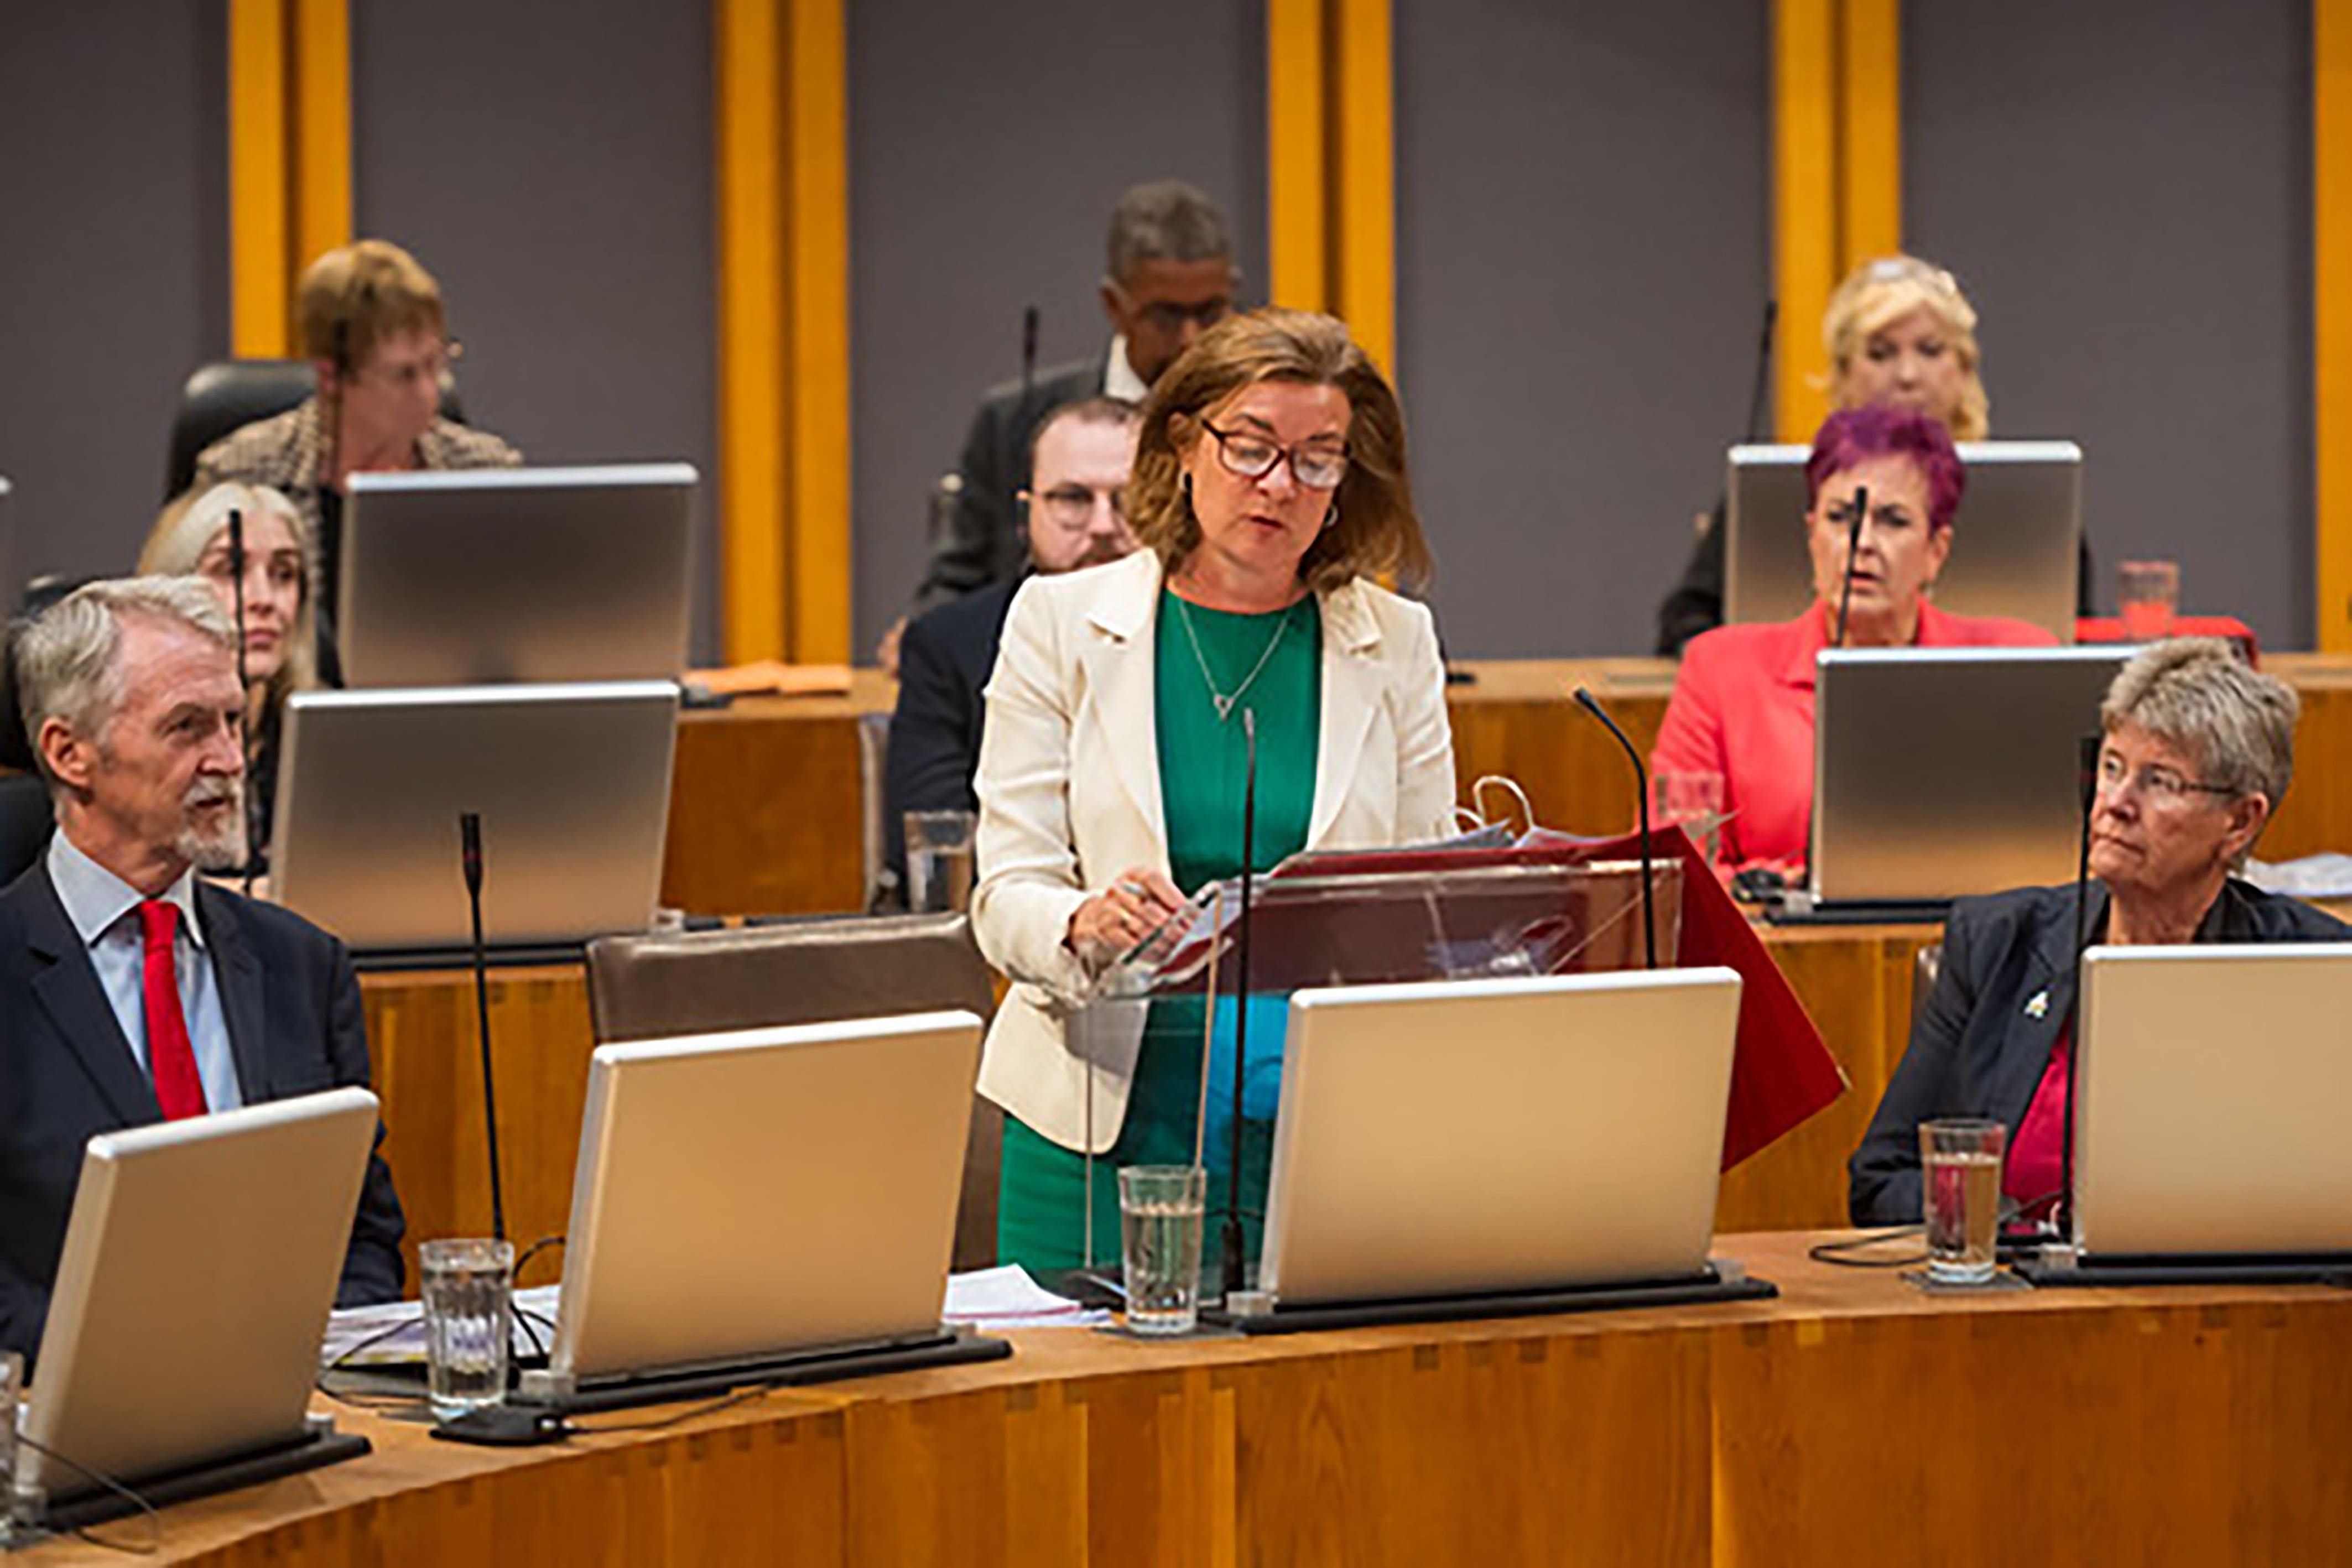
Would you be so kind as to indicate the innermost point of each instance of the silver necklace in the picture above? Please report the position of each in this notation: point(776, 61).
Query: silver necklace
point(1225, 703)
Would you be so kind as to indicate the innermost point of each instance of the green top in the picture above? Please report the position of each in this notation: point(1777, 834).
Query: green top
point(1204, 758)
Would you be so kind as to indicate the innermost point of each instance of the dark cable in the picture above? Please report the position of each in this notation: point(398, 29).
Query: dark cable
point(154, 1520)
point(1232, 1271)
point(1591, 705)
point(1763, 367)
point(469, 832)
point(1852, 548)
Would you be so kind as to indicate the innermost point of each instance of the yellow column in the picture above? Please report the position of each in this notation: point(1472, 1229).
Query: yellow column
point(2331, 225)
point(290, 133)
point(783, 311)
point(1331, 164)
point(1837, 174)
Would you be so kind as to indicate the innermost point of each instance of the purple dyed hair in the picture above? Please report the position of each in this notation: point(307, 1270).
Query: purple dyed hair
point(1855, 435)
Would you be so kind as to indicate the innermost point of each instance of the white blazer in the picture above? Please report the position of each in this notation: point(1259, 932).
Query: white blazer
point(1069, 798)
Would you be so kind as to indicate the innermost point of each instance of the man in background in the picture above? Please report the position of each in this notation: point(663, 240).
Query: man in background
point(1170, 275)
point(1080, 462)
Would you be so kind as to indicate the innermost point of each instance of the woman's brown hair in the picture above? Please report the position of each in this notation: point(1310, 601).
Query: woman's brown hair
point(1375, 531)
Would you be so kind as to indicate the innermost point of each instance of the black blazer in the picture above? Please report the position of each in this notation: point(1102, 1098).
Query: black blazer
point(982, 542)
point(1982, 1043)
point(292, 1007)
point(945, 658)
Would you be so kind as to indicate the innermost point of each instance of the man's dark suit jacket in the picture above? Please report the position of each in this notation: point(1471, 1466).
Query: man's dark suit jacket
point(944, 661)
point(292, 1007)
point(983, 543)
point(1980, 1046)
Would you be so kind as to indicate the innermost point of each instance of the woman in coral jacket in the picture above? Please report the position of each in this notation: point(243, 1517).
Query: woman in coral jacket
point(1743, 703)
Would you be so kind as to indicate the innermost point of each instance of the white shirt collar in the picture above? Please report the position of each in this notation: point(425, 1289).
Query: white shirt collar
point(1120, 379)
point(95, 898)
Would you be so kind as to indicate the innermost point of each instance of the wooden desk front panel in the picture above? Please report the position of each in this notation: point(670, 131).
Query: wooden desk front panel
point(1853, 1420)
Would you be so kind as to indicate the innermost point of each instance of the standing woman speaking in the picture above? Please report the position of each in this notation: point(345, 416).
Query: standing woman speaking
point(1270, 489)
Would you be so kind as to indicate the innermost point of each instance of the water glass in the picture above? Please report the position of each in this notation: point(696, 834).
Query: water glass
point(2147, 599)
point(1961, 1160)
point(939, 860)
point(466, 1287)
point(1692, 801)
point(1162, 1213)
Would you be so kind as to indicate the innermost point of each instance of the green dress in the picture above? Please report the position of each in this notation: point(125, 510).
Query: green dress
point(1203, 761)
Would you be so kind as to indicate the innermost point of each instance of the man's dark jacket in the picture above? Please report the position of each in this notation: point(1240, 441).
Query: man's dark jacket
point(292, 1008)
point(981, 542)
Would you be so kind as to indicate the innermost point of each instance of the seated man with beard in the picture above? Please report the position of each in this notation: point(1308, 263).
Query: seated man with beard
point(132, 991)
point(1073, 517)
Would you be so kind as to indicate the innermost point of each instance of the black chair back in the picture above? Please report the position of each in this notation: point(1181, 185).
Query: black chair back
point(223, 396)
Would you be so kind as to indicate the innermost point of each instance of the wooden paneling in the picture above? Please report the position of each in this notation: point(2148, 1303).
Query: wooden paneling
point(1855, 1420)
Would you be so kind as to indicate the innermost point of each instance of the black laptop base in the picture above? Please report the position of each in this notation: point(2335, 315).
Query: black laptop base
point(311, 1452)
point(2115, 1269)
point(827, 1364)
point(510, 956)
point(1682, 1289)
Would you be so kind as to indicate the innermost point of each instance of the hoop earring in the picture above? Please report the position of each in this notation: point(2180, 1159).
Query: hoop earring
point(1332, 517)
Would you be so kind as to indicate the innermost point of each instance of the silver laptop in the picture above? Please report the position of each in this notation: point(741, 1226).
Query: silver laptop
point(2210, 1113)
point(1451, 1138)
point(1944, 771)
point(747, 1194)
point(572, 783)
point(517, 574)
point(2017, 547)
point(199, 1267)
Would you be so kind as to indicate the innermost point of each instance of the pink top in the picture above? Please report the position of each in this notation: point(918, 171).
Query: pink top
point(1743, 707)
point(2036, 1153)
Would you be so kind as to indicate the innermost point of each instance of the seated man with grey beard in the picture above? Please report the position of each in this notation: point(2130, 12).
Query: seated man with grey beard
point(130, 990)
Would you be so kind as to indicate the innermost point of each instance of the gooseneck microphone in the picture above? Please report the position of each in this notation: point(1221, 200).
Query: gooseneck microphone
point(1591, 705)
point(2063, 1212)
point(1852, 549)
point(469, 833)
point(1028, 354)
point(1755, 427)
point(1233, 1230)
point(244, 689)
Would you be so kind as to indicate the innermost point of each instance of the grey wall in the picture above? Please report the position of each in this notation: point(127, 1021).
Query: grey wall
point(2124, 188)
point(113, 263)
point(1581, 233)
point(987, 145)
point(550, 161)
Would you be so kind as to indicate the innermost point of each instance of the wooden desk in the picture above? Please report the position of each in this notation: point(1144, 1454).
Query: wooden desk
point(1857, 981)
point(1853, 1420)
point(766, 814)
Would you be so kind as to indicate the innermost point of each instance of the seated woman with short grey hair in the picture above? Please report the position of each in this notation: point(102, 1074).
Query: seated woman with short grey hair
point(2196, 754)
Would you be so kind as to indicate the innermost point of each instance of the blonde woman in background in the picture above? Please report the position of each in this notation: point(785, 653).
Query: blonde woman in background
point(191, 538)
point(1899, 334)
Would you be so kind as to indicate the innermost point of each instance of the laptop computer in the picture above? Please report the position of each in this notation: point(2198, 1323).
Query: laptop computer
point(1467, 1138)
point(2208, 1113)
point(572, 783)
point(2019, 532)
point(779, 1198)
point(517, 574)
point(200, 1264)
point(1944, 771)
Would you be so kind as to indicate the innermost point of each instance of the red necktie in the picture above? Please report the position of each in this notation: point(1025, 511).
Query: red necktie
point(170, 1059)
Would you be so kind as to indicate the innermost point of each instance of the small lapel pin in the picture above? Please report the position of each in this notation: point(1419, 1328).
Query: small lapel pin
point(2037, 1004)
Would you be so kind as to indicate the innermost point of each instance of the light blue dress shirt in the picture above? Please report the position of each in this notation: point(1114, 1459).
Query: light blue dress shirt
point(104, 910)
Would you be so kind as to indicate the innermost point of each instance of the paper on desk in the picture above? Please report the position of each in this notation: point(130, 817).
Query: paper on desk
point(394, 1333)
point(2323, 875)
point(1007, 1297)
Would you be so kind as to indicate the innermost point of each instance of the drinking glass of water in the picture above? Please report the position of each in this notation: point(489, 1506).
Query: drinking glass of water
point(1161, 1211)
point(1961, 1160)
point(466, 1289)
point(939, 860)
